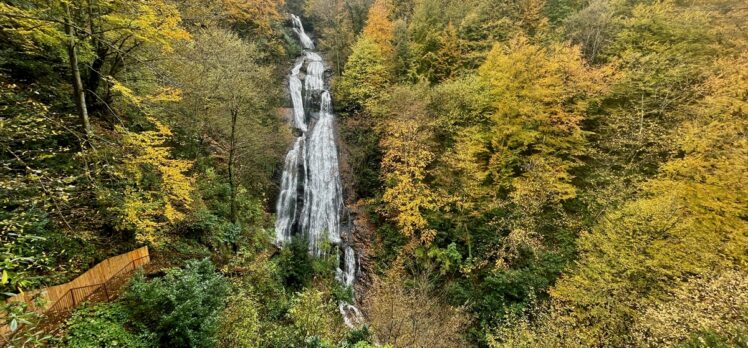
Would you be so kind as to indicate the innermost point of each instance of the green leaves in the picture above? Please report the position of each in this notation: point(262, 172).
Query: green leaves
point(104, 325)
point(365, 77)
point(21, 324)
point(182, 308)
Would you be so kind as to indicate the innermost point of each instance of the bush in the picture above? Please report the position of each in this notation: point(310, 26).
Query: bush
point(103, 325)
point(314, 315)
point(357, 338)
point(183, 307)
point(406, 312)
point(241, 322)
point(298, 268)
point(711, 339)
point(20, 324)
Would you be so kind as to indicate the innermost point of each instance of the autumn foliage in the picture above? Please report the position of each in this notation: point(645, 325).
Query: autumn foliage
point(569, 171)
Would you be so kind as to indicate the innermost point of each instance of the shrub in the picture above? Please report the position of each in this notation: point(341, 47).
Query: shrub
point(103, 326)
point(20, 324)
point(183, 307)
point(296, 265)
point(413, 316)
point(357, 338)
point(314, 314)
point(241, 322)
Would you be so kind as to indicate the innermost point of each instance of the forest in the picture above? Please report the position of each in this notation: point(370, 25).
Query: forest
point(377, 173)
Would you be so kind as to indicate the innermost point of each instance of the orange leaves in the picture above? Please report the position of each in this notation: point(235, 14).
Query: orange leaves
point(261, 13)
point(379, 28)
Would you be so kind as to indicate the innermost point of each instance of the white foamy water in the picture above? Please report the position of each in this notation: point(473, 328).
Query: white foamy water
point(295, 87)
point(303, 37)
point(310, 204)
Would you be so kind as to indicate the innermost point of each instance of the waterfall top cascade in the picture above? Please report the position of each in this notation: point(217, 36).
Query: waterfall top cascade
point(303, 37)
point(310, 204)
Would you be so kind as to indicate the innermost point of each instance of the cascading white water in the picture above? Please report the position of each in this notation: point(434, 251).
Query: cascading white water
point(288, 198)
point(310, 204)
point(323, 194)
point(347, 274)
point(315, 71)
point(294, 86)
point(299, 29)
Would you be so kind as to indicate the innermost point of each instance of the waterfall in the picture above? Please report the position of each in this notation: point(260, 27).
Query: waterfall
point(315, 70)
point(303, 37)
point(294, 86)
point(323, 194)
point(310, 204)
point(288, 198)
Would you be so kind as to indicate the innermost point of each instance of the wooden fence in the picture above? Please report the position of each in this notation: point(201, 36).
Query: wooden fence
point(107, 275)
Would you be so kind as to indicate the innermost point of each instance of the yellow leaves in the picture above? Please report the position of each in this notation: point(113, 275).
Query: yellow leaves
point(366, 76)
point(715, 302)
point(172, 214)
point(125, 92)
point(539, 98)
point(546, 180)
point(413, 316)
point(150, 21)
point(146, 208)
point(30, 28)
point(689, 220)
point(166, 94)
point(261, 13)
point(312, 314)
point(538, 79)
point(139, 214)
point(260, 17)
point(521, 158)
point(407, 196)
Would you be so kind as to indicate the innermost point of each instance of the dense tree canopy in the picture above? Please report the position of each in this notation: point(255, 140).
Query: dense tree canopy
point(567, 167)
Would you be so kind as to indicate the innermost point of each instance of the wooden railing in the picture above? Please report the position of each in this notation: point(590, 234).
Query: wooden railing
point(100, 283)
point(101, 292)
point(98, 274)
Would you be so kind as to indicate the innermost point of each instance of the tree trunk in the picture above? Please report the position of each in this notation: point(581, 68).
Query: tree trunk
point(232, 178)
point(79, 93)
point(94, 77)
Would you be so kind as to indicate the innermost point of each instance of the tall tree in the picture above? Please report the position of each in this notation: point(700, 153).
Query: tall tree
point(79, 93)
point(406, 157)
point(225, 92)
point(366, 76)
point(257, 20)
point(334, 27)
point(686, 222)
point(110, 31)
point(379, 28)
point(534, 139)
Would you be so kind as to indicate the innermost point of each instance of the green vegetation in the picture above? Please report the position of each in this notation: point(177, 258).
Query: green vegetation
point(563, 169)
point(182, 307)
point(104, 326)
point(540, 173)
